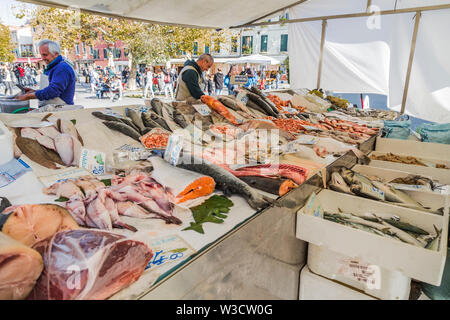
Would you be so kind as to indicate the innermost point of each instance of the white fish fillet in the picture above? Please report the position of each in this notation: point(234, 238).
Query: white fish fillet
point(65, 148)
point(50, 132)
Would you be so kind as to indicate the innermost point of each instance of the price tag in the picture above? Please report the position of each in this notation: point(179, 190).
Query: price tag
point(93, 161)
point(290, 110)
point(240, 79)
point(203, 109)
point(12, 170)
point(242, 97)
point(174, 147)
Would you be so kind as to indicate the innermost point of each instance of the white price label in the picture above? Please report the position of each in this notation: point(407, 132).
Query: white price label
point(93, 161)
point(203, 109)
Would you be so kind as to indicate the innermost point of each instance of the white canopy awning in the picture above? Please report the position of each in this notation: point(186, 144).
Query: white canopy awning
point(200, 13)
point(255, 59)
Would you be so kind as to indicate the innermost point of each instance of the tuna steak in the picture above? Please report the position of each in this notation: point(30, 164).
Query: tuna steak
point(88, 265)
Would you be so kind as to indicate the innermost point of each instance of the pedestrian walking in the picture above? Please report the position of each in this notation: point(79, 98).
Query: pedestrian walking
point(149, 82)
point(218, 81)
point(168, 86)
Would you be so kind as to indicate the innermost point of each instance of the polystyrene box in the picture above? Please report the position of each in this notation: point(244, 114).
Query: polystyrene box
point(375, 281)
point(315, 287)
point(413, 261)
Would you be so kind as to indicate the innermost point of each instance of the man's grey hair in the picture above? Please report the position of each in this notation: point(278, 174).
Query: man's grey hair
point(207, 57)
point(53, 46)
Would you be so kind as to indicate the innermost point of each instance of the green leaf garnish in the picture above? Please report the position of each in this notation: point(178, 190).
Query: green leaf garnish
point(74, 121)
point(212, 210)
point(62, 199)
point(107, 182)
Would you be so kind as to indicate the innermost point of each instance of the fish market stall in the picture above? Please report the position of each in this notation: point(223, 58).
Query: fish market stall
point(101, 171)
point(217, 198)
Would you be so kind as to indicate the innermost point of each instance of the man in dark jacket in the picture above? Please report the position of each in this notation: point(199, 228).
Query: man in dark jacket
point(61, 76)
point(190, 78)
point(218, 81)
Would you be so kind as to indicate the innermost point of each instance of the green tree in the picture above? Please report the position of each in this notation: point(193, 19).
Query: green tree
point(6, 45)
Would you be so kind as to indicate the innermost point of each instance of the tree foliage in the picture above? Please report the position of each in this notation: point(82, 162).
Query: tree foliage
point(6, 45)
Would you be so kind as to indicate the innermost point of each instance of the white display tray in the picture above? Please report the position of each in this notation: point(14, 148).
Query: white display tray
point(415, 262)
point(440, 175)
point(430, 199)
point(414, 148)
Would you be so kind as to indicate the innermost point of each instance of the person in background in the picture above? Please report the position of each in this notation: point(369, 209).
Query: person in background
point(168, 86)
point(94, 77)
point(116, 86)
point(61, 76)
point(190, 77)
point(161, 82)
point(210, 84)
point(149, 82)
point(277, 79)
point(125, 75)
point(174, 77)
point(227, 81)
point(218, 81)
point(7, 80)
point(138, 78)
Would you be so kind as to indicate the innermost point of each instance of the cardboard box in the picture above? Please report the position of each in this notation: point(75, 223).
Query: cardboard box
point(415, 262)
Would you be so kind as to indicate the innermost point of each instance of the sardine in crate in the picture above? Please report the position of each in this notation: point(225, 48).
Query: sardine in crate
point(415, 262)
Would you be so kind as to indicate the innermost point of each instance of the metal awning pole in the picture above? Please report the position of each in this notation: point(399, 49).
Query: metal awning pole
point(411, 58)
point(322, 43)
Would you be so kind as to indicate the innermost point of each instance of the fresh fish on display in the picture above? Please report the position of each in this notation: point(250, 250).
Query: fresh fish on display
point(131, 209)
point(159, 120)
point(293, 172)
point(30, 133)
point(276, 186)
point(87, 187)
point(395, 195)
point(20, 268)
point(65, 148)
point(75, 205)
point(179, 119)
point(226, 181)
point(136, 118)
point(148, 121)
point(337, 183)
point(123, 128)
point(111, 206)
point(183, 184)
point(50, 132)
point(97, 216)
point(402, 235)
point(219, 108)
point(157, 106)
point(66, 189)
point(69, 128)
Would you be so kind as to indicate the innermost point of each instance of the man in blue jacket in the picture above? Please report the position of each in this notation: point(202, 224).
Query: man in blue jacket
point(61, 77)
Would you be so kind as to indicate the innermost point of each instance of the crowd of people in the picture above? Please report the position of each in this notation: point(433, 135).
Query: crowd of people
point(22, 74)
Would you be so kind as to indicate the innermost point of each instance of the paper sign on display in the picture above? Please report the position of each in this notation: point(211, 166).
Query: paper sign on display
point(12, 170)
point(167, 250)
point(93, 161)
point(290, 110)
point(242, 96)
point(203, 109)
point(239, 79)
point(173, 149)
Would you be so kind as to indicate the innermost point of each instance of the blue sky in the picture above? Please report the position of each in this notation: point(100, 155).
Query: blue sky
point(7, 13)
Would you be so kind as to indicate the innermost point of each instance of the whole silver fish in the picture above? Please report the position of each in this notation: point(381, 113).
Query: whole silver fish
point(136, 119)
point(227, 182)
point(123, 128)
point(337, 183)
point(179, 119)
point(395, 195)
point(157, 106)
point(148, 122)
point(402, 235)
